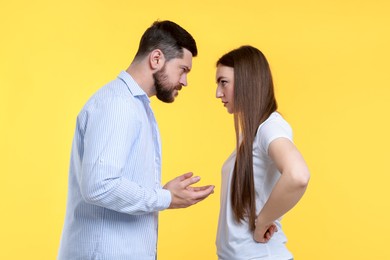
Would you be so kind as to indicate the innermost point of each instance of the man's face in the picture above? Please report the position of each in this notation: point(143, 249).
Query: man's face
point(172, 77)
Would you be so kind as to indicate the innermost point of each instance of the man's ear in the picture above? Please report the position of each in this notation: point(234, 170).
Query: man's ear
point(156, 59)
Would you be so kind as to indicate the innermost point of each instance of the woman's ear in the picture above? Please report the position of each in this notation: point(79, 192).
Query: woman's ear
point(156, 59)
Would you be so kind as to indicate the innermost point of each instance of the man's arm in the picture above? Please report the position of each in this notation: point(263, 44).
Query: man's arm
point(109, 131)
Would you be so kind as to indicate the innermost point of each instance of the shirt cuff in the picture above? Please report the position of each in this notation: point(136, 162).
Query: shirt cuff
point(164, 198)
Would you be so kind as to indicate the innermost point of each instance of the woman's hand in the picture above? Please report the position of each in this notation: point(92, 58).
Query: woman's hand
point(263, 234)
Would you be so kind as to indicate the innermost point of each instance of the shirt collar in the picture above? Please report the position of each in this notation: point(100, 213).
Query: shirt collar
point(133, 86)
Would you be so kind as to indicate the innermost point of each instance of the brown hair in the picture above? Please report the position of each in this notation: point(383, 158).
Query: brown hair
point(254, 101)
point(169, 37)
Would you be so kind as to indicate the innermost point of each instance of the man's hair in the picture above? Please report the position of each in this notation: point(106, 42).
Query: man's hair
point(254, 101)
point(168, 37)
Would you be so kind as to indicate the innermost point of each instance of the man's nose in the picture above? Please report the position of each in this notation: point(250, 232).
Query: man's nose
point(183, 80)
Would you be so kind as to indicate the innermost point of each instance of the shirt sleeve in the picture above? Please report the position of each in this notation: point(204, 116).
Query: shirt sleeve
point(273, 128)
point(108, 132)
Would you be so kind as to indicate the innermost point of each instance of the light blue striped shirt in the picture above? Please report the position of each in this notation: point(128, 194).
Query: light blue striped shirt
point(114, 192)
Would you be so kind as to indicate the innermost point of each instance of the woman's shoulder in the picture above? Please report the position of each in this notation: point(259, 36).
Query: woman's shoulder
point(275, 120)
point(273, 127)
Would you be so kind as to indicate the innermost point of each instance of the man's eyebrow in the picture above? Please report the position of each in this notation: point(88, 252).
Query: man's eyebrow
point(186, 68)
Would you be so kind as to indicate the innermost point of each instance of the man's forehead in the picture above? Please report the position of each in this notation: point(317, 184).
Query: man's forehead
point(186, 60)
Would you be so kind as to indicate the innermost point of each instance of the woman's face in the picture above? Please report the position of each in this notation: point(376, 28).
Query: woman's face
point(225, 86)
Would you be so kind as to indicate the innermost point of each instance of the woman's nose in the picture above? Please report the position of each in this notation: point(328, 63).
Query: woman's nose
point(219, 93)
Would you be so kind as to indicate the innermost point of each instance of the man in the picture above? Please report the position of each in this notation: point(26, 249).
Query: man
point(114, 179)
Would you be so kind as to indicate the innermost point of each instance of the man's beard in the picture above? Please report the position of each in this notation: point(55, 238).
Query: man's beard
point(164, 89)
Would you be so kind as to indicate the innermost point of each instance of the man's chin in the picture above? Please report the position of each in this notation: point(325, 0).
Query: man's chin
point(168, 97)
point(169, 101)
point(166, 100)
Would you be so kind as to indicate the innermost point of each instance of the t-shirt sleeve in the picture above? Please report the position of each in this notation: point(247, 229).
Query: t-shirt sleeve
point(271, 129)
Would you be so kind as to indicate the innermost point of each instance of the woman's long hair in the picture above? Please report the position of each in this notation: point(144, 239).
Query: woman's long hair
point(254, 101)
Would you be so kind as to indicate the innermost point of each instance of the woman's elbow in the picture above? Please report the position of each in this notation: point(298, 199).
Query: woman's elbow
point(301, 178)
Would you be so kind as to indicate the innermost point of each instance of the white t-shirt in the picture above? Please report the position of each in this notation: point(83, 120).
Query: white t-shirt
point(234, 240)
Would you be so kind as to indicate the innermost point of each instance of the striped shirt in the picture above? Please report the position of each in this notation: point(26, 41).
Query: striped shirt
point(114, 192)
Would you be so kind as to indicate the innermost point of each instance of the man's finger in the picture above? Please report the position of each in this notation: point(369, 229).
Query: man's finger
point(198, 188)
point(185, 176)
point(189, 181)
point(202, 194)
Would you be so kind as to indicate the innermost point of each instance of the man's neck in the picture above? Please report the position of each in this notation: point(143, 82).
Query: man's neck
point(143, 76)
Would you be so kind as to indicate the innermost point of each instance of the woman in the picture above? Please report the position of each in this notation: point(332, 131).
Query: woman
point(265, 176)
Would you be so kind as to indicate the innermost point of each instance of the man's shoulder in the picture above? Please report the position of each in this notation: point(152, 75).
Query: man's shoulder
point(114, 91)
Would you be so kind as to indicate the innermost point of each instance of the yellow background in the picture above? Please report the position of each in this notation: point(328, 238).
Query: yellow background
point(330, 61)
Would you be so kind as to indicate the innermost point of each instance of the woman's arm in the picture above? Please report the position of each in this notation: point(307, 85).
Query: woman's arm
point(288, 190)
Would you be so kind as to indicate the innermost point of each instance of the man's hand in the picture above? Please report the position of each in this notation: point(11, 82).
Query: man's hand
point(263, 234)
point(183, 195)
